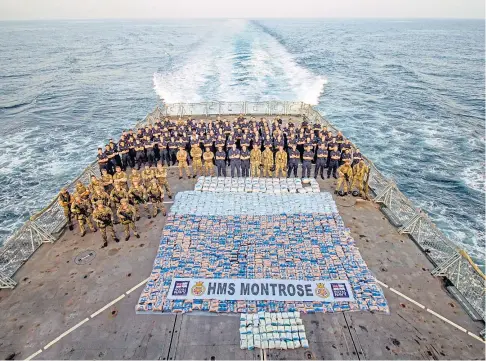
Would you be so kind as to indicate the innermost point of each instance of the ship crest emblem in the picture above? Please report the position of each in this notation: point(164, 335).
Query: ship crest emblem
point(322, 291)
point(198, 289)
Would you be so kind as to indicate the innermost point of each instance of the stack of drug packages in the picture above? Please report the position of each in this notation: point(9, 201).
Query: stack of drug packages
point(257, 185)
point(272, 330)
point(254, 236)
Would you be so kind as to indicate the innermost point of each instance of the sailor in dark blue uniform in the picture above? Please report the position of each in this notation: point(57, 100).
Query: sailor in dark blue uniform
point(294, 157)
point(345, 155)
point(149, 148)
point(307, 161)
point(102, 160)
point(245, 161)
point(172, 150)
point(235, 161)
point(221, 161)
point(321, 160)
point(357, 156)
point(164, 152)
point(334, 157)
point(125, 158)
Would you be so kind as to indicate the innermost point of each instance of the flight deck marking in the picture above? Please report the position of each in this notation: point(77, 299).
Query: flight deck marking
point(264, 353)
point(33, 355)
point(66, 333)
point(108, 305)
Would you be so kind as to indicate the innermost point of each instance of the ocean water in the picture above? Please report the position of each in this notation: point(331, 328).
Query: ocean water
point(410, 94)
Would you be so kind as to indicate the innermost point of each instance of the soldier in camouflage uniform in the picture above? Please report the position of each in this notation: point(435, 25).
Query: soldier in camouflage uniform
point(116, 195)
point(267, 156)
point(360, 171)
point(281, 162)
point(155, 195)
point(82, 211)
point(147, 176)
point(182, 160)
point(138, 196)
point(255, 161)
point(94, 183)
point(81, 191)
point(197, 167)
point(64, 200)
point(103, 216)
point(135, 176)
point(120, 177)
point(106, 180)
point(345, 175)
point(99, 194)
point(127, 215)
point(161, 176)
point(208, 162)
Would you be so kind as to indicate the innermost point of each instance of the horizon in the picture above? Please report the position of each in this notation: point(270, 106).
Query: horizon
point(22, 10)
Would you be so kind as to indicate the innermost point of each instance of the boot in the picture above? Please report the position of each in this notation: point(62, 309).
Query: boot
point(127, 238)
point(117, 240)
point(137, 235)
point(164, 213)
point(105, 244)
point(170, 197)
point(82, 234)
point(71, 227)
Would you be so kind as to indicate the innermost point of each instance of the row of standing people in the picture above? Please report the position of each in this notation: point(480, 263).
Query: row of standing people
point(117, 198)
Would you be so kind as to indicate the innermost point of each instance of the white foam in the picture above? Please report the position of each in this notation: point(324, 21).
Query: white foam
point(474, 177)
point(208, 73)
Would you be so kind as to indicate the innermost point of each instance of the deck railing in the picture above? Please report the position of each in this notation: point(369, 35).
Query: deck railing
point(449, 261)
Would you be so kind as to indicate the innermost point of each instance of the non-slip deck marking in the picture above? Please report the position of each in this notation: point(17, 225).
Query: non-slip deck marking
point(108, 305)
point(33, 355)
point(66, 333)
point(383, 284)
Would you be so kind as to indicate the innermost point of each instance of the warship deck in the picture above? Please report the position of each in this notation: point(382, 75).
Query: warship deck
point(87, 311)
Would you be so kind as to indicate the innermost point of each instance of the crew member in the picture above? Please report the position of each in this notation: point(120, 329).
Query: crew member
point(208, 161)
point(196, 153)
point(334, 157)
point(82, 211)
point(221, 161)
point(120, 177)
point(307, 162)
point(182, 161)
point(268, 164)
point(345, 173)
point(245, 160)
point(294, 156)
point(127, 215)
point(103, 216)
point(360, 173)
point(321, 160)
point(235, 162)
point(64, 200)
point(161, 176)
point(137, 196)
point(255, 160)
point(155, 195)
point(280, 162)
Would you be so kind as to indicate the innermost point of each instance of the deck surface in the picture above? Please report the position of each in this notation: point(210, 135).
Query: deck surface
point(54, 294)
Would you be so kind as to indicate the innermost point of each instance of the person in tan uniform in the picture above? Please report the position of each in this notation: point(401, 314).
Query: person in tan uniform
point(82, 211)
point(94, 183)
point(280, 162)
point(255, 161)
point(182, 162)
point(106, 180)
point(360, 172)
point(138, 196)
point(82, 191)
point(116, 195)
point(155, 195)
point(135, 176)
point(345, 175)
point(161, 176)
point(127, 215)
point(99, 194)
point(208, 157)
point(120, 177)
point(147, 176)
point(64, 200)
point(267, 157)
point(196, 153)
point(103, 216)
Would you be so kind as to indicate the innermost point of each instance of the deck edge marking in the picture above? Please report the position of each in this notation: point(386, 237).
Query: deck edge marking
point(137, 286)
point(475, 336)
point(108, 305)
point(66, 333)
point(446, 320)
point(33, 355)
point(382, 284)
point(407, 298)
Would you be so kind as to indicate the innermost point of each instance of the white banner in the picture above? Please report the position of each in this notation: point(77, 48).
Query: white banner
point(259, 289)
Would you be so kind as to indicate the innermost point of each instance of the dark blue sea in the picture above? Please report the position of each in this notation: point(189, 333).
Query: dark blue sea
point(410, 94)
